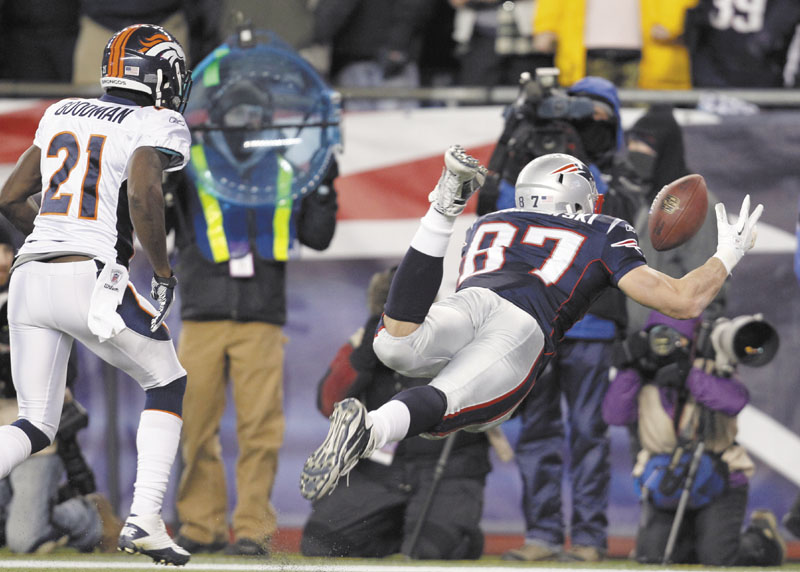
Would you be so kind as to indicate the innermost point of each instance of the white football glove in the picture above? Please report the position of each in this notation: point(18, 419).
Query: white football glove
point(733, 240)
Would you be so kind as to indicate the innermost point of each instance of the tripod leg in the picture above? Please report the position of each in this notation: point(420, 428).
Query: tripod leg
point(437, 476)
point(684, 500)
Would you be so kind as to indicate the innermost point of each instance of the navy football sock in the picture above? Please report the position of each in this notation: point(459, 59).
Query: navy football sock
point(426, 405)
point(414, 286)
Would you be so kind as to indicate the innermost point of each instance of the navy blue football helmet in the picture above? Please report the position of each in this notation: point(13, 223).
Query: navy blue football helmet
point(148, 59)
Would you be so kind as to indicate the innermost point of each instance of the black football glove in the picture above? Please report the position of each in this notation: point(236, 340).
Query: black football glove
point(162, 290)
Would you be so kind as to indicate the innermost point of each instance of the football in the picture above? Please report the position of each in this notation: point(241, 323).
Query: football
point(678, 212)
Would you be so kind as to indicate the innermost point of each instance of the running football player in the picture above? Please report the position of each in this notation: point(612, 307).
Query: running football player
point(98, 165)
point(527, 274)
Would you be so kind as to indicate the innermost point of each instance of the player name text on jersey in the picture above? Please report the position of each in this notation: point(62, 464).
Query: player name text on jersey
point(82, 108)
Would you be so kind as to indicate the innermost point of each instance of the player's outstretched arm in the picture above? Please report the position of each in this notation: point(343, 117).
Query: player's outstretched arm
point(25, 181)
point(687, 297)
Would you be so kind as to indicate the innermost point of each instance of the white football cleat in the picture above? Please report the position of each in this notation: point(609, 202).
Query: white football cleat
point(146, 534)
point(461, 177)
point(349, 439)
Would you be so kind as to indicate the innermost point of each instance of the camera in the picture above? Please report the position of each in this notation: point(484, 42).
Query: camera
point(543, 119)
point(660, 353)
point(663, 355)
point(748, 340)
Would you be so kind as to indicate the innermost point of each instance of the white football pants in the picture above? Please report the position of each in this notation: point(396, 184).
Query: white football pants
point(482, 351)
point(48, 307)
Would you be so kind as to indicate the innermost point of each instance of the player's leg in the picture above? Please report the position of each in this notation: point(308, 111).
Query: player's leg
point(414, 287)
point(486, 380)
point(419, 275)
point(38, 367)
point(479, 383)
point(149, 358)
point(424, 352)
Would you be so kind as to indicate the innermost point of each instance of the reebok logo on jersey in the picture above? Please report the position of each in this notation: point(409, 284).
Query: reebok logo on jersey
point(628, 243)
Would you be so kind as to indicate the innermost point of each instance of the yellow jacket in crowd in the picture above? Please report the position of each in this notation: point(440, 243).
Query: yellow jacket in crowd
point(665, 62)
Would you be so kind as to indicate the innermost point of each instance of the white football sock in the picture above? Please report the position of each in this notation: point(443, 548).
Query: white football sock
point(156, 445)
point(433, 234)
point(389, 422)
point(15, 447)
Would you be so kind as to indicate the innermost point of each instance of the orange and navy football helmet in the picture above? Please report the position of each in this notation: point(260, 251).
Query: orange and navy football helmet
point(148, 59)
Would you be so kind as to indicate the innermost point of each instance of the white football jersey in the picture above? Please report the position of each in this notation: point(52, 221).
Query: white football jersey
point(86, 145)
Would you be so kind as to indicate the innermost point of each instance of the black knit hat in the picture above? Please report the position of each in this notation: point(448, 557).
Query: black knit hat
point(659, 129)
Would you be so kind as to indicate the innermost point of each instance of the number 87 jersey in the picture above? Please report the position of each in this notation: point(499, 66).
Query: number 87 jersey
point(86, 145)
point(553, 266)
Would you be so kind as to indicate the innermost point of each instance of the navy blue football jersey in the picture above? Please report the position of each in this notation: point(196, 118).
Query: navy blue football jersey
point(551, 266)
point(735, 43)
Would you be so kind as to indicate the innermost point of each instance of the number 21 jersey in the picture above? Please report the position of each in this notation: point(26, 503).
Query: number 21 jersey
point(86, 146)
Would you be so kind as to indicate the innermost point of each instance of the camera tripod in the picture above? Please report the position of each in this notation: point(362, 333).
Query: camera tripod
point(684, 501)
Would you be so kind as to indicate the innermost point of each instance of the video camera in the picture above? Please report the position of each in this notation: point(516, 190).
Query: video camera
point(543, 119)
point(663, 356)
point(748, 340)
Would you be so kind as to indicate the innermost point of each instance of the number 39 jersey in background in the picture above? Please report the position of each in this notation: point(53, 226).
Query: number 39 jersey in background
point(86, 145)
point(553, 266)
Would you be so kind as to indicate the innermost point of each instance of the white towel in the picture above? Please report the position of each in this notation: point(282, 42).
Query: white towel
point(104, 322)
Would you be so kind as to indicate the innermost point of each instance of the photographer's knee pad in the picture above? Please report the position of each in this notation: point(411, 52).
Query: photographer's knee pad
point(168, 397)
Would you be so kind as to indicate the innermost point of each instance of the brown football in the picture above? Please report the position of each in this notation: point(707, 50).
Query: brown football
point(678, 212)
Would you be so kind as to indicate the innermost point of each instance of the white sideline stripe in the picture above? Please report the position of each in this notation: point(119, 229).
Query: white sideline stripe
point(348, 567)
point(770, 441)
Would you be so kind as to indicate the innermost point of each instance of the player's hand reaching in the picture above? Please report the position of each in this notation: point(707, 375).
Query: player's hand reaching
point(733, 240)
point(162, 290)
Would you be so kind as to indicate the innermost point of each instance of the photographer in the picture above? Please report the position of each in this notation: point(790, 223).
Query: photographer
point(37, 512)
point(686, 407)
point(583, 121)
point(376, 515)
